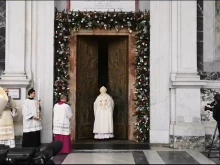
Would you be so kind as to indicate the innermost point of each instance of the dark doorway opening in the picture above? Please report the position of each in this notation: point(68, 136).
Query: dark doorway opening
point(101, 61)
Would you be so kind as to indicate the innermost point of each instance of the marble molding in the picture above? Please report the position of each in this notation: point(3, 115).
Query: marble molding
point(131, 76)
point(187, 142)
point(209, 75)
point(2, 35)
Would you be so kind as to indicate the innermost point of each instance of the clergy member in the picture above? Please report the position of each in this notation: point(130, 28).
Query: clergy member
point(103, 111)
point(6, 122)
point(61, 124)
point(31, 121)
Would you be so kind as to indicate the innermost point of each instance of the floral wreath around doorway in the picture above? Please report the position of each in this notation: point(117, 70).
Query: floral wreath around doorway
point(139, 22)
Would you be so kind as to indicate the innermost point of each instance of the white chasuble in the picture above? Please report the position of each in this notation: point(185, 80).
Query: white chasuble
point(103, 111)
point(61, 119)
point(29, 111)
point(6, 123)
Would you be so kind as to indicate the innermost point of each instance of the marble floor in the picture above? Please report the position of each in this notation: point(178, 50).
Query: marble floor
point(157, 155)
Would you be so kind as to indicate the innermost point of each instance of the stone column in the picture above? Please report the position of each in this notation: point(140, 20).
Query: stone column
point(159, 71)
point(29, 55)
point(43, 55)
point(45, 67)
point(186, 129)
point(15, 58)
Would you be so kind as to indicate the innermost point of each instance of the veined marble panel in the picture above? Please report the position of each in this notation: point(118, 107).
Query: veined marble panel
point(207, 95)
point(187, 142)
point(2, 34)
point(208, 141)
point(208, 41)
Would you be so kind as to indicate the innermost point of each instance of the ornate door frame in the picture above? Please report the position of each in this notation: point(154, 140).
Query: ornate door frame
point(131, 73)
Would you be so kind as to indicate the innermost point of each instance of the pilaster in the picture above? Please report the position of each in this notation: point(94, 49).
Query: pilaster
point(159, 71)
point(43, 46)
point(29, 56)
point(14, 74)
point(185, 87)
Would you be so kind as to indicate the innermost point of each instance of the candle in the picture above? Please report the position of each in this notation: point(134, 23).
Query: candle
point(38, 97)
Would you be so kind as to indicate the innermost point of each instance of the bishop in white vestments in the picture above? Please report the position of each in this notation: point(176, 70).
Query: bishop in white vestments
point(103, 111)
point(31, 121)
point(6, 122)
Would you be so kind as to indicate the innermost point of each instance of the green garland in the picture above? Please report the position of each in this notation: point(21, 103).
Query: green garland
point(138, 22)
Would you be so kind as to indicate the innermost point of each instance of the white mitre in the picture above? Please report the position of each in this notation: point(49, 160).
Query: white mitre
point(103, 90)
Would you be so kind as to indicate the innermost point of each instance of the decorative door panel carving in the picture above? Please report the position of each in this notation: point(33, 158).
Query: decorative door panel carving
point(87, 85)
point(118, 84)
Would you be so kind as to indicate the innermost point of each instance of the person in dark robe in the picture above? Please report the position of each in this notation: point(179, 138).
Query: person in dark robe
point(215, 108)
point(61, 124)
point(31, 121)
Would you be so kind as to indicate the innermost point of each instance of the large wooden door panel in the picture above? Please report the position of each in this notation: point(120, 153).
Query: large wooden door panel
point(118, 84)
point(87, 85)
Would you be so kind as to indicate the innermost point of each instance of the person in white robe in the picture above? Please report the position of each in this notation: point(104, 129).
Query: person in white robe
point(61, 124)
point(103, 112)
point(7, 136)
point(31, 121)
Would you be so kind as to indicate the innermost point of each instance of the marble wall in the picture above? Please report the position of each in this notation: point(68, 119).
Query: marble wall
point(31, 44)
point(208, 41)
point(200, 36)
point(2, 35)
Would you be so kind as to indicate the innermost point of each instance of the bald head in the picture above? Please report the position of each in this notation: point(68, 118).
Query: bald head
point(63, 98)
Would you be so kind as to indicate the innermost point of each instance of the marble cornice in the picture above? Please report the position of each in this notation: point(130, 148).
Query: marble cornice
point(193, 82)
point(187, 79)
point(15, 81)
point(212, 84)
point(189, 83)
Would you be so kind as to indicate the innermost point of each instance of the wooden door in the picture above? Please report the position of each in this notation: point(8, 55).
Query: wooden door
point(118, 84)
point(87, 85)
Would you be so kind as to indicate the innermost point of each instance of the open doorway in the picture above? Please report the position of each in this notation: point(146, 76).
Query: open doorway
point(101, 61)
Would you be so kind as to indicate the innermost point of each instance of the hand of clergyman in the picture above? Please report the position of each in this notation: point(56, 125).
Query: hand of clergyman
point(35, 118)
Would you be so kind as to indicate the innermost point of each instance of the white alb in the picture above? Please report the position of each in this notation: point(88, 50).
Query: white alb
point(61, 119)
point(29, 111)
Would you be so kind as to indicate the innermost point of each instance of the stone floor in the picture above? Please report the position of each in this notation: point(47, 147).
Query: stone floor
point(142, 155)
point(157, 155)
